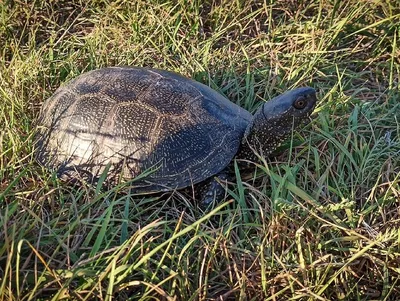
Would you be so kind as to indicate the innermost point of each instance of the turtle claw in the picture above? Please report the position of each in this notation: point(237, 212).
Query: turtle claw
point(213, 190)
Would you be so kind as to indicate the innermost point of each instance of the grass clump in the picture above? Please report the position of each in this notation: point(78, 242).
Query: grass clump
point(319, 221)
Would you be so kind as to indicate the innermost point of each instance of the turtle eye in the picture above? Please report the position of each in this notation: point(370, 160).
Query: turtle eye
point(300, 103)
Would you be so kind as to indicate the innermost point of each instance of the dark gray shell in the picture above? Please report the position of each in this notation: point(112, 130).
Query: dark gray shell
point(132, 120)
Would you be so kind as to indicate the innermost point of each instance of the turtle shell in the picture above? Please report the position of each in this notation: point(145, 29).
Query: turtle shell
point(125, 122)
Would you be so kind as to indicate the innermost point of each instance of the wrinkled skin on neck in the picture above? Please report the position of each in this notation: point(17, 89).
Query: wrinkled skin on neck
point(263, 139)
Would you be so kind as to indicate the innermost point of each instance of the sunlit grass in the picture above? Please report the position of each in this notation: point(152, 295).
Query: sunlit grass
point(318, 221)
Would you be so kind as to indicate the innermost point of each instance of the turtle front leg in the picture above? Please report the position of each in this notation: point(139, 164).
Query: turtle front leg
point(212, 189)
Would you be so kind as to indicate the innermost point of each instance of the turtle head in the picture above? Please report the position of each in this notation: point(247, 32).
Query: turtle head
point(288, 110)
point(274, 121)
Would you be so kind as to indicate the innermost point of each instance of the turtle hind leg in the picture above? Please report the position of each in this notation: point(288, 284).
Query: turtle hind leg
point(212, 189)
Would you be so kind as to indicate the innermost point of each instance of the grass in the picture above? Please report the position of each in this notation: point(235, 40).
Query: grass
point(320, 221)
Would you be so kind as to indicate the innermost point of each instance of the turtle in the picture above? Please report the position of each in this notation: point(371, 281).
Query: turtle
point(158, 129)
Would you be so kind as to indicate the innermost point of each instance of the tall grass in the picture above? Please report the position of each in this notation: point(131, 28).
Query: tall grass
point(318, 221)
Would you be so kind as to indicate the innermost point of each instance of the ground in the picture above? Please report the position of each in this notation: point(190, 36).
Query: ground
point(318, 221)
